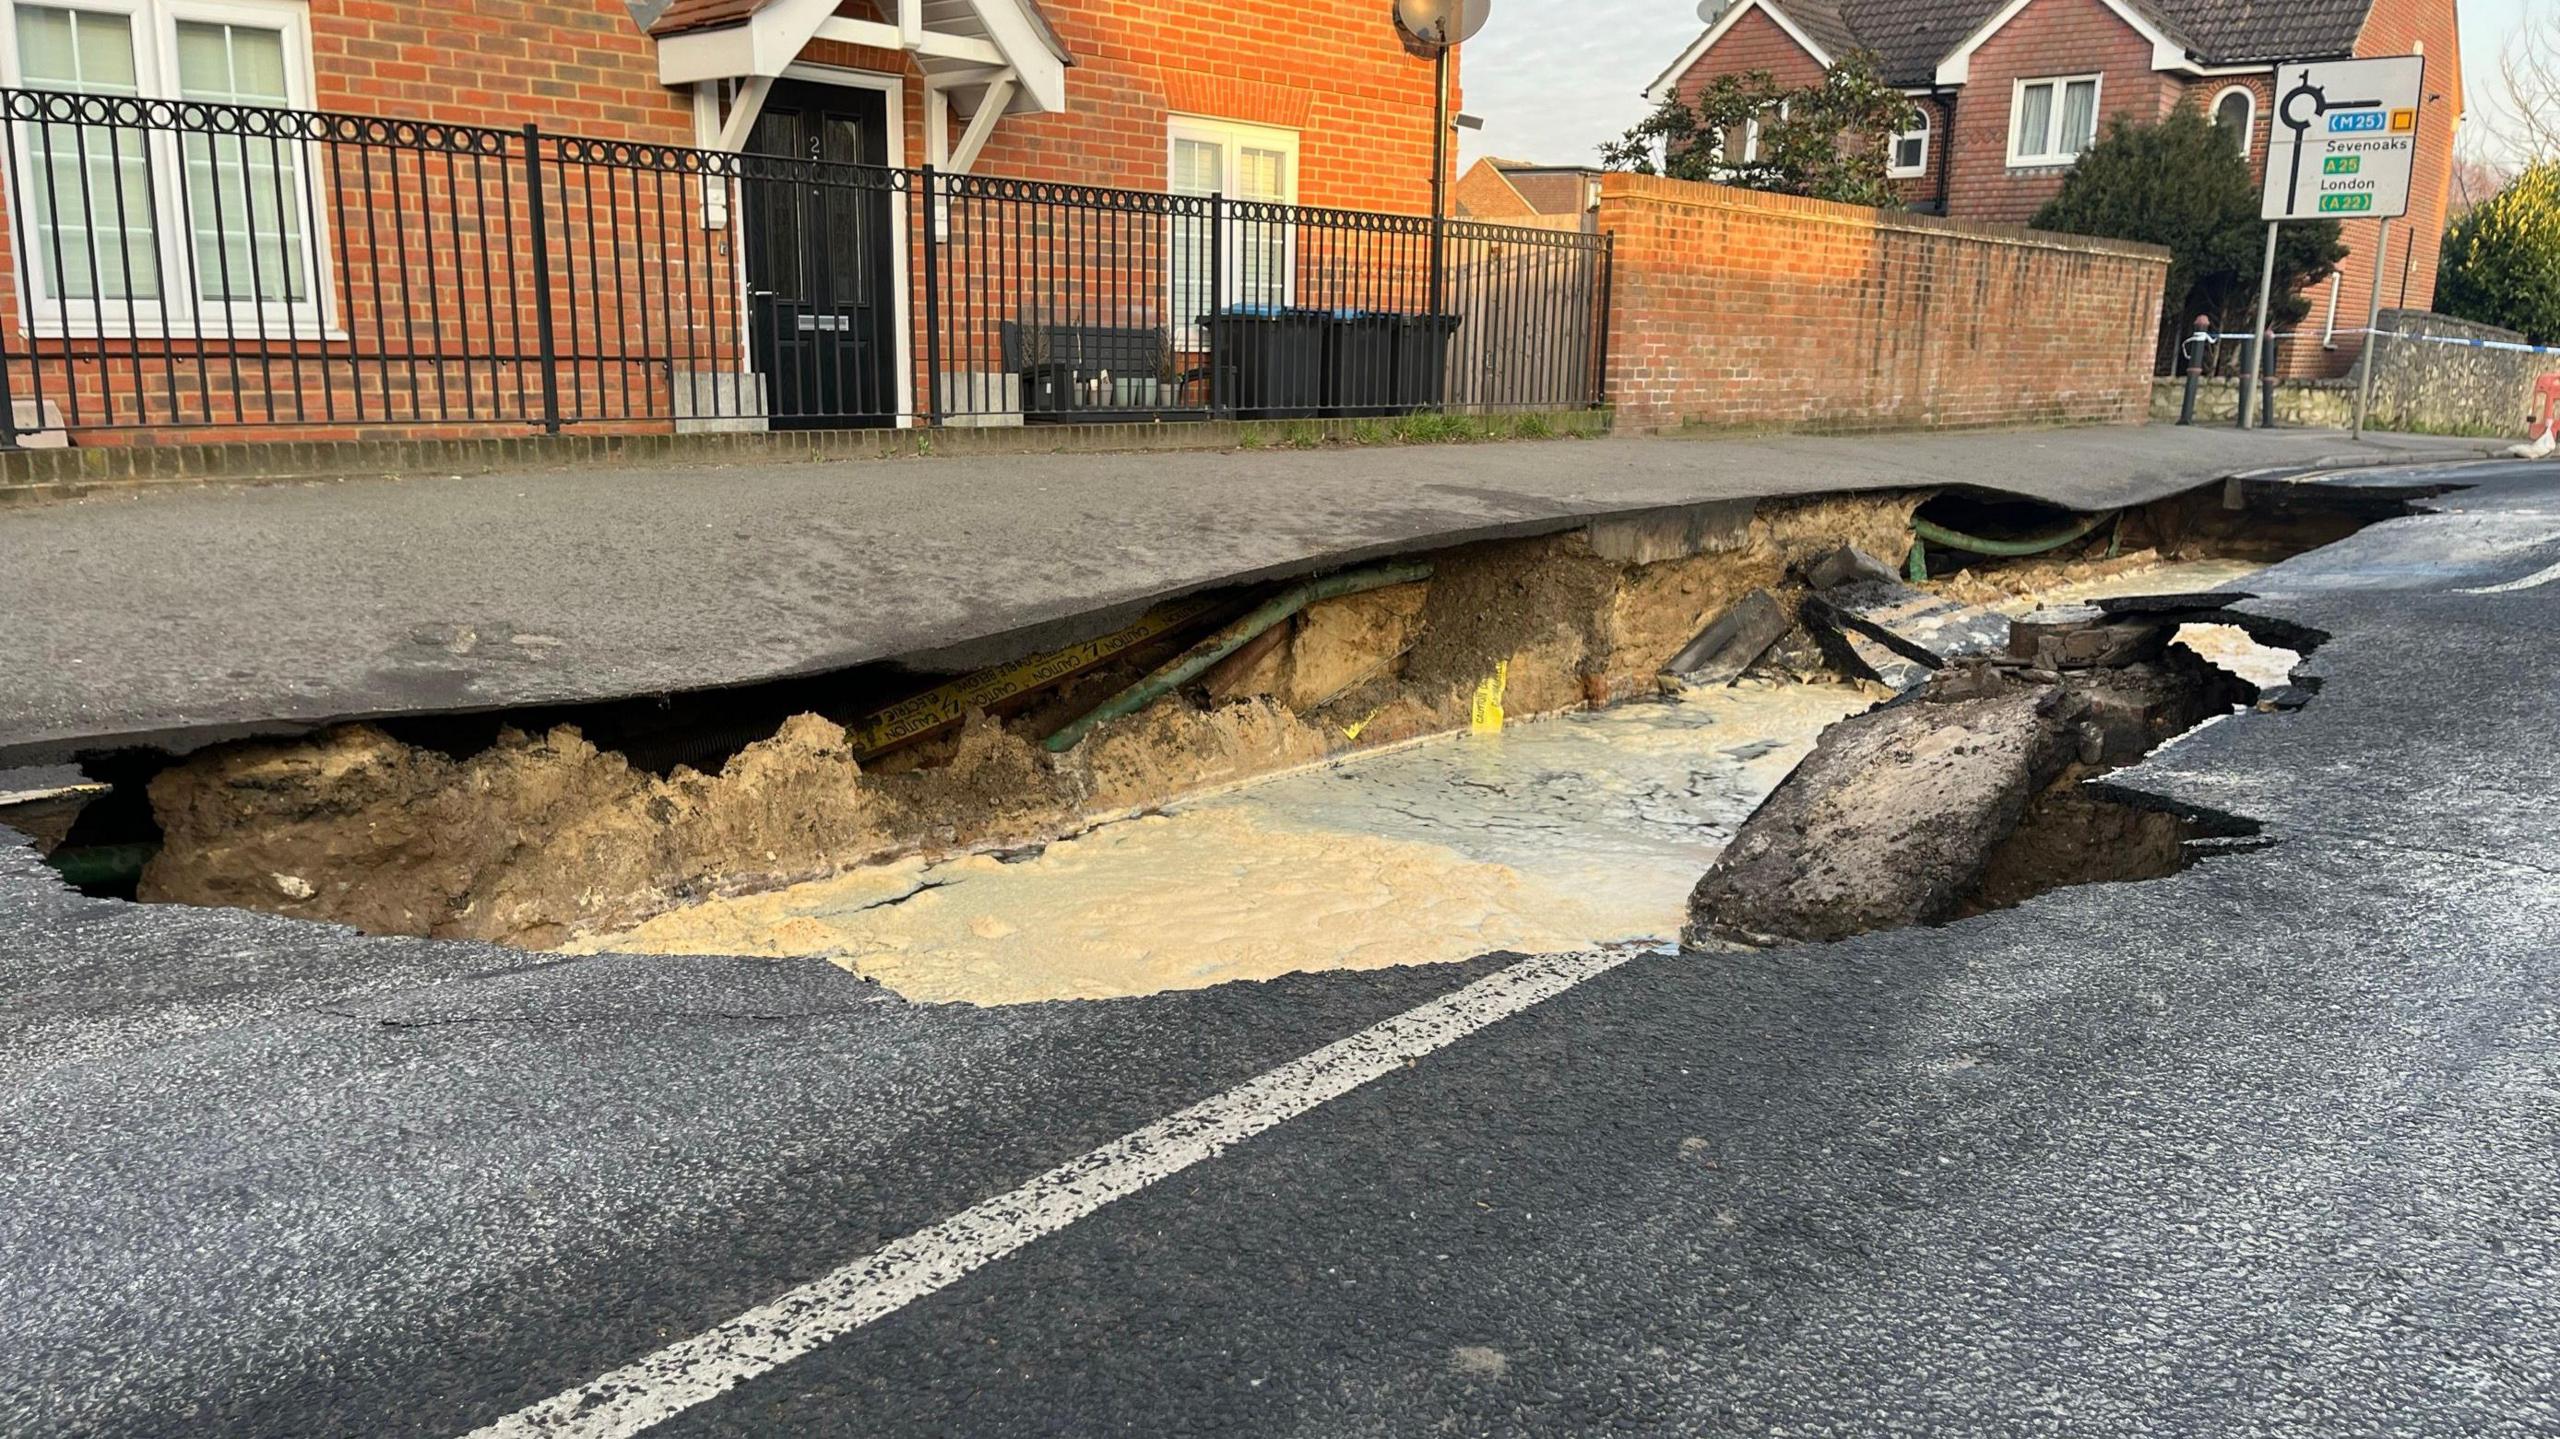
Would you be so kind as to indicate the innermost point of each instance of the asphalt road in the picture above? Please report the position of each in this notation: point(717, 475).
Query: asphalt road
point(2271, 1146)
point(181, 617)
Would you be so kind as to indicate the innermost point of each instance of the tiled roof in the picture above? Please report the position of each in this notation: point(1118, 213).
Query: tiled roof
point(1822, 23)
point(683, 15)
point(2233, 32)
point(1910, 37)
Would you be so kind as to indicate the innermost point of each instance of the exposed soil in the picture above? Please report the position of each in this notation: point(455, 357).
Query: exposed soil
point(533, 838)
point(1584, 830)
point(537, 837)
point(2070, 835)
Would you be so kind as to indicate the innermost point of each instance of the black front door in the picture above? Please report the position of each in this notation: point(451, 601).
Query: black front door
point(818, 240)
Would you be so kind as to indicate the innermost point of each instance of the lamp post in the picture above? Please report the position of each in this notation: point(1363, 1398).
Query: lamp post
point(1441, 25)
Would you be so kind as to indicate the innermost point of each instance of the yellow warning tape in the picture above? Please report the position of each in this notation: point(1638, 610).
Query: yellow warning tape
point(950, 703)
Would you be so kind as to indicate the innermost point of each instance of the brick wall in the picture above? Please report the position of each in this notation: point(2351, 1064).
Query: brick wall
point(1737, 308)
point(1333, 70)
point(578, 66)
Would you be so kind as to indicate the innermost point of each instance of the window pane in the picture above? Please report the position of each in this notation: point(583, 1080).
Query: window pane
point(1263, 278)
point(244, 192)
point(2035, 118)
point(75, 50)
point(2233, 115)
point(1195, 167)
point(89, 185)
point(2079, 116)
point(1910, 149)
point(1190, 267)
point(1262, 174)
point(47, 50)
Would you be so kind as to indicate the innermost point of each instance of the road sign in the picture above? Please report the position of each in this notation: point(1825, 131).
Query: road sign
point(2344, 136)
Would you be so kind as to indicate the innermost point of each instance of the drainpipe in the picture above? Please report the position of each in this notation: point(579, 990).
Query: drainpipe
point(1946, 149)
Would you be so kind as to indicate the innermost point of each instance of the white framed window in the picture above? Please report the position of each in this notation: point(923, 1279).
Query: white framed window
point(2052, 120)
point(1906, 155)
point(1240, 162)
point(1743, 140)
point(2236, 111)
point(125, 230)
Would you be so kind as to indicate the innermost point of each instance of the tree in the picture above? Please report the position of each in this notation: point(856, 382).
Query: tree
point(2475, 182)
point(2180, 182)
point(2519, 107)
point(1826, 141)
point(2501, 263)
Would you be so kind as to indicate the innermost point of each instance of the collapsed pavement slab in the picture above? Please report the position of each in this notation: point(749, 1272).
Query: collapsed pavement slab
point(293, 607)
point(1902, 815)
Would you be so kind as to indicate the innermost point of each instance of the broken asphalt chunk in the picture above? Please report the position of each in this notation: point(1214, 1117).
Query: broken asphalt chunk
point(2079, 637)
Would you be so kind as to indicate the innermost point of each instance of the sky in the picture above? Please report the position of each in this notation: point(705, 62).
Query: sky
point(1553, 78)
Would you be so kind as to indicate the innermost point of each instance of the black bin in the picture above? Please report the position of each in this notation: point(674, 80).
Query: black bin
point(1422, 361)
point(1269, 360)
point(1360, 362)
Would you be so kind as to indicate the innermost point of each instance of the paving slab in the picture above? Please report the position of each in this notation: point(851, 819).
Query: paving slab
point(180, 618)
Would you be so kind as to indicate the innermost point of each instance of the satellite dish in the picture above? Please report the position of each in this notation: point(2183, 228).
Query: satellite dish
point(1708, 10)
point(1442, 22)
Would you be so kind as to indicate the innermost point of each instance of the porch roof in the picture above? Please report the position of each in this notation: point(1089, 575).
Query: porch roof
point(989, 48)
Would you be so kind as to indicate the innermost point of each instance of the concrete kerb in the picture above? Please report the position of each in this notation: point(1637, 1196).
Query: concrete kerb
point(36, 475)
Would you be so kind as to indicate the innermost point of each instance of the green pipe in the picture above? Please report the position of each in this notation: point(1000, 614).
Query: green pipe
point(95, 866)
point(1191, 663)
point(1945, 538)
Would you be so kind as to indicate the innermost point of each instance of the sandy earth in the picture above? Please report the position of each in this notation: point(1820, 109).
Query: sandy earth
point(1580, 830)
point(1576, 831)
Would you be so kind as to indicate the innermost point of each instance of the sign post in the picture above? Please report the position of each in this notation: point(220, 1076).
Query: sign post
point(2344, 137)
point(2372, 320)
point(2258, 337)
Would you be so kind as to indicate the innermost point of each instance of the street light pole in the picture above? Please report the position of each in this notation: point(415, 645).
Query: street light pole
point(1440, 165)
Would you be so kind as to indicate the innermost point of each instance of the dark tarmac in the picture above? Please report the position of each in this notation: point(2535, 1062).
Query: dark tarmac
point(2271, 1146)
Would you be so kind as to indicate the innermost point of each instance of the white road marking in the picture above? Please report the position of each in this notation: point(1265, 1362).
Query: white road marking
point(660, 1386)
point(2542, 576)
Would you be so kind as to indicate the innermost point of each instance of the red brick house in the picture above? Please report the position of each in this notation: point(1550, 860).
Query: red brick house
point(324, 217)
point(2010, 90)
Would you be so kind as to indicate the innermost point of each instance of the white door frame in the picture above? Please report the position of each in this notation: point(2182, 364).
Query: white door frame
point(895, 88)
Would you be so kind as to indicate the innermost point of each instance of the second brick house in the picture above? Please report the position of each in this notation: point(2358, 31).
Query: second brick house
point(2010, 91)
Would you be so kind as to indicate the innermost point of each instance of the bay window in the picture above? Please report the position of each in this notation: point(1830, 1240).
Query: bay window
point(136, 220)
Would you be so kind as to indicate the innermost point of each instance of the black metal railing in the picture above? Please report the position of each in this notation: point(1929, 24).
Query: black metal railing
point(183, 266)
